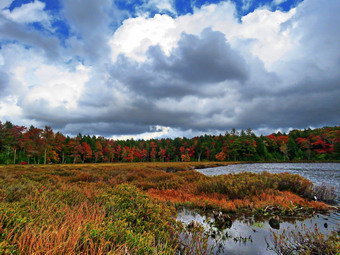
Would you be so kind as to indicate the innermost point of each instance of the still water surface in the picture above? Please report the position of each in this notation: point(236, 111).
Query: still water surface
point(250, 236)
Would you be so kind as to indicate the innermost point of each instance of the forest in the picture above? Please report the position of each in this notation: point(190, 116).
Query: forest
point(22, 145)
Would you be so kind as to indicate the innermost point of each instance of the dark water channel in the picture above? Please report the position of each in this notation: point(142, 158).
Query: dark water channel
point(253, 236)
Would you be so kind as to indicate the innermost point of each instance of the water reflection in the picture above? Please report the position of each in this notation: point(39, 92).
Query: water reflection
point(249, 235)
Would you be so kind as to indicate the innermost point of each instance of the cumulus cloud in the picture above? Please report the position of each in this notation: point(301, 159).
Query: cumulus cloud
point(15, 25)
point(203, 72)
point(197, 63)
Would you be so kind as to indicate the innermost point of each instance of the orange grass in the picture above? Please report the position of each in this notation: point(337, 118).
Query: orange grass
point(61, 236)
point(285, 200)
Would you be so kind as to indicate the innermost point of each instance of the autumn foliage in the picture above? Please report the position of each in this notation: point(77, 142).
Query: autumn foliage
point(41, 146)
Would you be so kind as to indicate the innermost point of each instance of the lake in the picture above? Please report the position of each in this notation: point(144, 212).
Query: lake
point(251, 236)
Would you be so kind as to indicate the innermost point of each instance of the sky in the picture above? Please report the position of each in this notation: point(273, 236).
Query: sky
point(167, 68)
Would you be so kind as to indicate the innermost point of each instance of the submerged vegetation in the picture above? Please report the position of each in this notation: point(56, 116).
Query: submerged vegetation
point(23, 145)
point(303, 241)
point(129, 208)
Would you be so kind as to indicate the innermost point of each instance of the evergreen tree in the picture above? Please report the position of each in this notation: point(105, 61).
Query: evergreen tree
point(292, 148)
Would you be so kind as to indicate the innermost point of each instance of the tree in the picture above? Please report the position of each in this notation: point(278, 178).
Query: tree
point(293, 148)
point(33, 143)
point(221, 156)
point(153, 151)
point(162, 154)
point(261, 148)
point(305, 145)
point(98, 154)
point(48, 143)
point(86, 151)
point(59, 145)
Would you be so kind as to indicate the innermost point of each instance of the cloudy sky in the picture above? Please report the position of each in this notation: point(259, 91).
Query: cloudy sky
point(165, 68)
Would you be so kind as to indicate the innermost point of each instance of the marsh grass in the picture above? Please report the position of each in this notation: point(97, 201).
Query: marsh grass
point(129, 208)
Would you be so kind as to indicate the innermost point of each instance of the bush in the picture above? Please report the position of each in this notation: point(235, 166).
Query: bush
point(133, 219)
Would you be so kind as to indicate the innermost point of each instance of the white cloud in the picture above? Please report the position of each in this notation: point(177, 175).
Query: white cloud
point(246, 4)
point(57, 85)
point(9, 110)
point(260, 30)
point(271, 40)
point(136, 35)
point(161, 5)
point(29, 13)
point(277, 2)
point(159, 132)
point(33, 80)
point(148, 7)
point(2, 61)
point(5, 3)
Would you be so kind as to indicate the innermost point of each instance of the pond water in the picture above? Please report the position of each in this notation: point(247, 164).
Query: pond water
point(253, 236)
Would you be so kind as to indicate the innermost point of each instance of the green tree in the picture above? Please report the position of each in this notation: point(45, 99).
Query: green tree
point(293, 148)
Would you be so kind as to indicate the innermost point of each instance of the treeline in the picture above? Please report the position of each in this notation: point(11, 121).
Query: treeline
point(19, 144)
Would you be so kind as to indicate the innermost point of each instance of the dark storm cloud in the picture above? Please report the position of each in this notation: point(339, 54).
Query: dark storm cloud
point(293, 111)
point(21, 33)
point(204, 59)
point(197, 62)
point(133, 118)
point(141, 114)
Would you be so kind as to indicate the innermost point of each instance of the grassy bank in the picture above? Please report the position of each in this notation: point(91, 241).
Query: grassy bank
point(129, 208)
